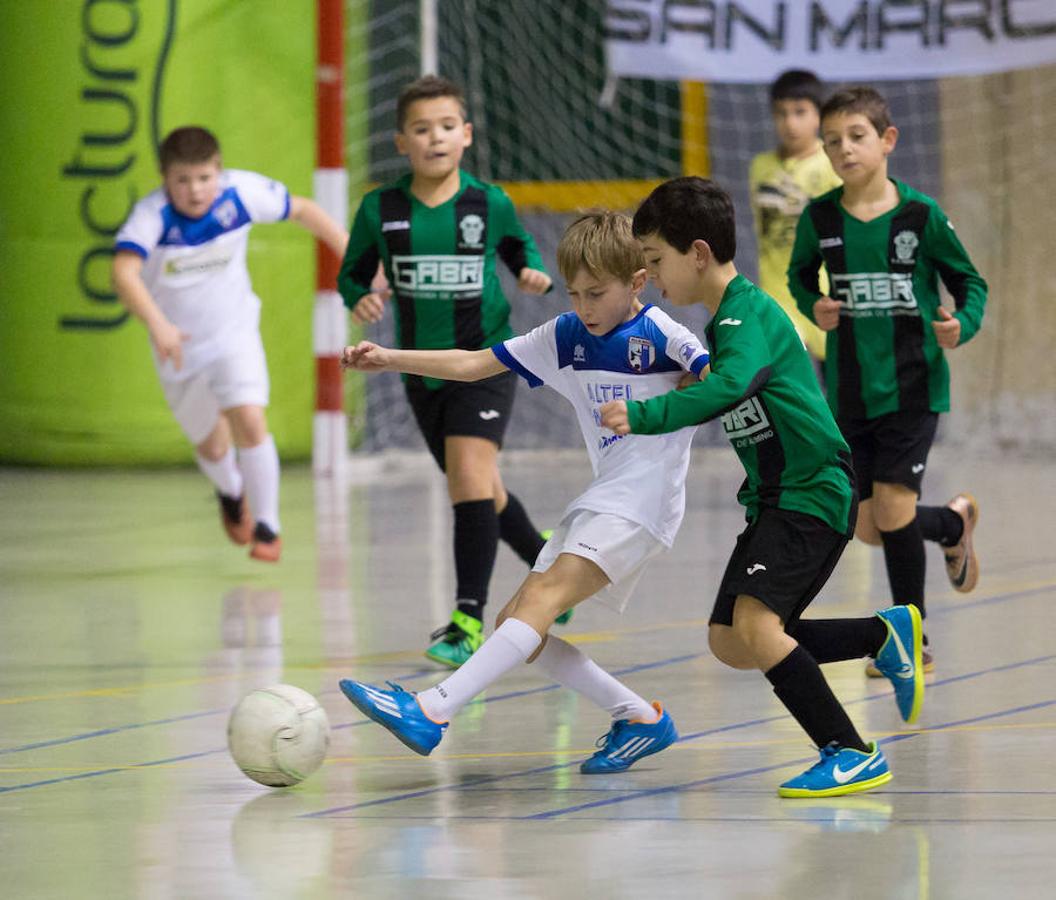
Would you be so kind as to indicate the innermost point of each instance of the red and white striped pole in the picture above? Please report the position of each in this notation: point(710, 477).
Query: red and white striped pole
point(329, 324)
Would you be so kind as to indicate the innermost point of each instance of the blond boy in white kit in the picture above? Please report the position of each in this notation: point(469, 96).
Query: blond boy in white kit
point(610, 347)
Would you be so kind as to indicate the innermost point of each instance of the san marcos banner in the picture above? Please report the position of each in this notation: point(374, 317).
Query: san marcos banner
point(840, 40)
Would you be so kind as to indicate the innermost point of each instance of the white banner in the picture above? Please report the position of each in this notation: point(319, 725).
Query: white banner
point(839, 40)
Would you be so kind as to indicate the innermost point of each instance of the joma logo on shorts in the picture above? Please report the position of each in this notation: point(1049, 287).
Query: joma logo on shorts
point(867, 291)
point(447, 274)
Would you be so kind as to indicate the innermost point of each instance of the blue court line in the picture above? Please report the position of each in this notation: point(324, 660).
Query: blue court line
point(955, 607)
point(94, 774)
point(684, 738)
point(103, 732)
point(729, 776)
point(97, 773)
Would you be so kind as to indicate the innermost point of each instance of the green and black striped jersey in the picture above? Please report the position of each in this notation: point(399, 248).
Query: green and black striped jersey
point(762, 384)
point(440, 262)
point(883, 357)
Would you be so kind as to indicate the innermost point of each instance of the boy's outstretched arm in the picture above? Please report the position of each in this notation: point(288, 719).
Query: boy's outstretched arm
point(745, 369)
point(135, 297)
point(451, 365)
point(313, 217)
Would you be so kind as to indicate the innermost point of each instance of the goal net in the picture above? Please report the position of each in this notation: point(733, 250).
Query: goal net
point(560, 133)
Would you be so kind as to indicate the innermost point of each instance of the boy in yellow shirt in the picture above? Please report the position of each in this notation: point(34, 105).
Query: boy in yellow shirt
point(782, 182)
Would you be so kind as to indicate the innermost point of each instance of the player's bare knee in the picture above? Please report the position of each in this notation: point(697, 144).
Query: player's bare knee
point(727, 648)
point(894, 506)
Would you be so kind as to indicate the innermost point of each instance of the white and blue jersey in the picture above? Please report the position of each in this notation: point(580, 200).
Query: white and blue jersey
point(638, 477)
point(195, 269)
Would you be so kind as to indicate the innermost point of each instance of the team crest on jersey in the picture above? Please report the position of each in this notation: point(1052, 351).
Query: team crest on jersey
point(906, 243)
point(579, 354)
point(472, 228)
point(640, 353)
point(226, 213)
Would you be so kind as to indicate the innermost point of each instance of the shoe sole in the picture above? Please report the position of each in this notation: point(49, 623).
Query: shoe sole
point(969, 576)
point(374, 717)
point(855, 787)
point(871, 671)
point(918, 664)
point(265, 553)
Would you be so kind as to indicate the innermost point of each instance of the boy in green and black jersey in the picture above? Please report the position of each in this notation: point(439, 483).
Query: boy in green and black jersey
point(799, 493)
point(885, 246)
point(438, 233)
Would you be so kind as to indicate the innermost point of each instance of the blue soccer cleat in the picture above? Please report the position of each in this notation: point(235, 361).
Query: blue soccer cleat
point(900, 658)
point(627, 742)
point(841, 770)
point(398, 711)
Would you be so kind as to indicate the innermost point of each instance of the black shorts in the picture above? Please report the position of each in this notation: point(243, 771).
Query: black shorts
point(892, 448)
point(782, 559)
point(466, 409)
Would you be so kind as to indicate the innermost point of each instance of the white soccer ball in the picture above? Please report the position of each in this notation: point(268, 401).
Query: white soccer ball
point(278, 735)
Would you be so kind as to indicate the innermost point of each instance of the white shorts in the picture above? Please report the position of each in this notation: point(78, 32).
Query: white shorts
point(619, 547)
point(238, 379)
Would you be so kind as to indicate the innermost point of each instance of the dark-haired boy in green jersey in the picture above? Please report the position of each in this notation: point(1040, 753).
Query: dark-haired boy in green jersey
point(438, 233)
point(885, 246)
point(799, 492)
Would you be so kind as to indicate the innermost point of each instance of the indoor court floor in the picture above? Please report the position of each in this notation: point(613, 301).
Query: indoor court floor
point(129, 628)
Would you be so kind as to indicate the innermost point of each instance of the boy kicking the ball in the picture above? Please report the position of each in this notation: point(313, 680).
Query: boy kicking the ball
point(610, 346)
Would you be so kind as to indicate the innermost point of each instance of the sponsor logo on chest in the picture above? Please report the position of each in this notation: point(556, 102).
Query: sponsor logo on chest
point(425, 274)
point(865, 294)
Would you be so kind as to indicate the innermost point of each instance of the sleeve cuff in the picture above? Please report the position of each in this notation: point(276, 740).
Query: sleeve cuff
point(699, 363)
point(133, 247)
point(507, 359)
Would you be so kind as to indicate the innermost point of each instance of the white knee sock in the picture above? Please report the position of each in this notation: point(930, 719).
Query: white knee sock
point(222, 472)
point(573, 669)
point(260, 469)
point(511, 644)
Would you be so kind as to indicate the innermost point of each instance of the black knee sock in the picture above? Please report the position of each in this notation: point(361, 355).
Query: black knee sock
point(476, 540)
point(517, 530)
point(832, 640)
point(904, 555)
point(801, 687)
point(940, 524)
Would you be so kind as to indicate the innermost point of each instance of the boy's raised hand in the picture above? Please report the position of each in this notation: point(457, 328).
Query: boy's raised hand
point(947, 329)
point(168, 340)
point(614, 416)
point(532, 281)
point(826, 313)
point(365, 357)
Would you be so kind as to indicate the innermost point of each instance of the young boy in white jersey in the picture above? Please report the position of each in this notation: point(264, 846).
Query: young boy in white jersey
point(180, 267)
point(611, 346)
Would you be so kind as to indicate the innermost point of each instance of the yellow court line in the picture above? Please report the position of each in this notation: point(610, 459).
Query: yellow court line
point(118, 691)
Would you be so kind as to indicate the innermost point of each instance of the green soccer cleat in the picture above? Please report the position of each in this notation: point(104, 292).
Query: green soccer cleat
point(457, 641)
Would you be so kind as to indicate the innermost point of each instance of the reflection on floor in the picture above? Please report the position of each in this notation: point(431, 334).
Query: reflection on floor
point(128, 629)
